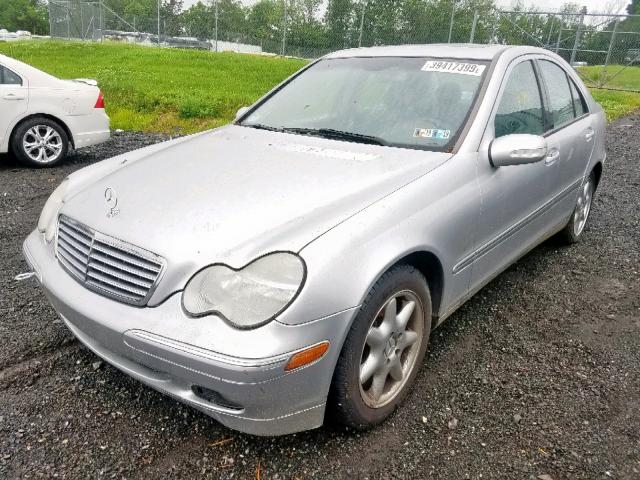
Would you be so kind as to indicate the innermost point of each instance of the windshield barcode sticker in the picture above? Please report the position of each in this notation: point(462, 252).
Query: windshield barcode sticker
point(475, 69)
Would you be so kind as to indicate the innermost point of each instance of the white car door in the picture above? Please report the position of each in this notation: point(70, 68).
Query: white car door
point(14, 100)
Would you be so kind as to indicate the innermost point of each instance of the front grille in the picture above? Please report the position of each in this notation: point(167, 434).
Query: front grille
point(106, 265)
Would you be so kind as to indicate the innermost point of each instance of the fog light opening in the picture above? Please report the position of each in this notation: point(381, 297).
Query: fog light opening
point(214, 397)
point(307, 356)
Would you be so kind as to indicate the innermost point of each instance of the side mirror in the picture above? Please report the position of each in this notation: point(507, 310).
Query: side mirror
point(241, 111)
point(517, 149)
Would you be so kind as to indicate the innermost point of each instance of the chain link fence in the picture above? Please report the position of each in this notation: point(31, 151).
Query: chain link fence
point(604, 47)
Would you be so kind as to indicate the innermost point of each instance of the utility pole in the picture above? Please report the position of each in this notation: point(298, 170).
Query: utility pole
point(216, 24)
point(559, 34)
point(603, 77)
point(158, 22)
point(583, 12)
point(284, 28)
point(553, 19)
point(453, 12)
point(473, 27)
point(611, 42)
point(364, 6)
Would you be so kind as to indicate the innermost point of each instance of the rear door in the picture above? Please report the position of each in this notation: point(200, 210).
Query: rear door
point(570, 136)
point(14, 98)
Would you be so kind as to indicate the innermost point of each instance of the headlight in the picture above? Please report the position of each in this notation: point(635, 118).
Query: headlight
point(248, 297)
point(47, 220)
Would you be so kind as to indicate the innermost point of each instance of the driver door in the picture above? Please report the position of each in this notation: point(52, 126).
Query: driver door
point(513, 197)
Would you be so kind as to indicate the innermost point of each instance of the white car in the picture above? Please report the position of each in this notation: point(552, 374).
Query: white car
point(41, 116)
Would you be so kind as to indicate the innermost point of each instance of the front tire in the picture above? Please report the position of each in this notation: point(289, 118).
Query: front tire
point(39, 142)
point(572, 232)
point(383, 350)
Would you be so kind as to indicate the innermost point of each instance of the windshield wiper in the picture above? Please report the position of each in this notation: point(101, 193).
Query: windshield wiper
point(260, 126)
point(322, 132)
point(336, 135)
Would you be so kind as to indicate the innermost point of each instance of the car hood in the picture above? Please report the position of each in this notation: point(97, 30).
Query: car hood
point(233, 194)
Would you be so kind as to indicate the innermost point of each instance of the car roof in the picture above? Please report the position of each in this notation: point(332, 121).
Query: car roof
point(36, 77)
point(445, 50)
point(10, 62)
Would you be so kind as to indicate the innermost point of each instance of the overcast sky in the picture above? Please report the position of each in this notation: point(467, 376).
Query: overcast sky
point(593, 6)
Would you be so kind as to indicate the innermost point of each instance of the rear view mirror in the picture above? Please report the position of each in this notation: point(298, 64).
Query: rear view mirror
point(517, 149)
point(241, 111)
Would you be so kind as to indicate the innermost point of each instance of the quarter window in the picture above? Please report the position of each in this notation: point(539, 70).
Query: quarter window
point(579, 103)
point(560, 97)
point(520, 109)
point(7, 77)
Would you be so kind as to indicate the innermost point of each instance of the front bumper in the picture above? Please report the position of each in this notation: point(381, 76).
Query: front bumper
point(176, 354)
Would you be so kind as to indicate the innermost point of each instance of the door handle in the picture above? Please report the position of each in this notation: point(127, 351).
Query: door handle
point(552, 156)
point(13, 96)
point(590, 134)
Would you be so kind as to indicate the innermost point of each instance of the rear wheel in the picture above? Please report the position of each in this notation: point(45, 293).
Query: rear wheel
point(39, 142)
point(572, 232)
point(384, 349)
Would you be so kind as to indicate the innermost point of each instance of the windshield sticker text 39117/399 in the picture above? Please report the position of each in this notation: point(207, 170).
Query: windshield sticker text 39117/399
point(461, 68)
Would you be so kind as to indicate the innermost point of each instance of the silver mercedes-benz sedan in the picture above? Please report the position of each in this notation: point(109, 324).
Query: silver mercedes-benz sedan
point(290, 267)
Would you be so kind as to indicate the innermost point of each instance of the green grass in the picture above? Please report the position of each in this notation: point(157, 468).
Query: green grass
point(182, 91)
point(615, 103)
point(158, 89)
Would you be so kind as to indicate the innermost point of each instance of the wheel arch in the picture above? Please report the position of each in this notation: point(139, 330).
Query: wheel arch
point(597, 171)
point(42, 115)
point(427, 263)
point(430, 266)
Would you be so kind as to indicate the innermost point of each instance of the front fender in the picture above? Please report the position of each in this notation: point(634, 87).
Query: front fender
point(435, 213)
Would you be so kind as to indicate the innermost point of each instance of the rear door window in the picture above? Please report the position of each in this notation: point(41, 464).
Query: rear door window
point(7, 77)
point(579, 103)
point(520, 109)
point(560, 97)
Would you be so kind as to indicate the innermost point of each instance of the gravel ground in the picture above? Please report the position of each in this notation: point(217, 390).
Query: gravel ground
point(536, 377)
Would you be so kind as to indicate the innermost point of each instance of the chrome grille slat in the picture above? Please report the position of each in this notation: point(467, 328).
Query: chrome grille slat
point(72, 264)
point(82, 259)
point(114, 292)
point(99, 258)
point(81, 247)
point(112, 272)
point(92, 275)
point(124, 256)
point(76, 232)
point(106, 265)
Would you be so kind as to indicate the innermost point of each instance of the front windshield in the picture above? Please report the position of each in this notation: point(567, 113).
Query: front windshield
point(396, 101)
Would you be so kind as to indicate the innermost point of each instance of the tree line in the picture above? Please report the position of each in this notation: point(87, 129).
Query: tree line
point(315, 26)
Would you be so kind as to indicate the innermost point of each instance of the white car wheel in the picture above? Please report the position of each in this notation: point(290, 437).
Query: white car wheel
point(40, 142)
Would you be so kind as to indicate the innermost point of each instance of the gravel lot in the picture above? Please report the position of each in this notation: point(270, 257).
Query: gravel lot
point(537, 377)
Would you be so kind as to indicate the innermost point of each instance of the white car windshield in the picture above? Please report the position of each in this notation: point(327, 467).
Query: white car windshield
point(396, 101)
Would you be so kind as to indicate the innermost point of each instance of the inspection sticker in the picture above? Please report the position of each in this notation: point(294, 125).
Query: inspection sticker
point(436, 133)
point(461, 68)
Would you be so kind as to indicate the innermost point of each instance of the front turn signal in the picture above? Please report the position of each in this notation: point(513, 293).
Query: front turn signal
point(307, 356)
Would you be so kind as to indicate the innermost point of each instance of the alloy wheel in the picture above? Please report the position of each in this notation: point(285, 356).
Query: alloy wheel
point(42, 144)
point(583, 206)
point(391, 348)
